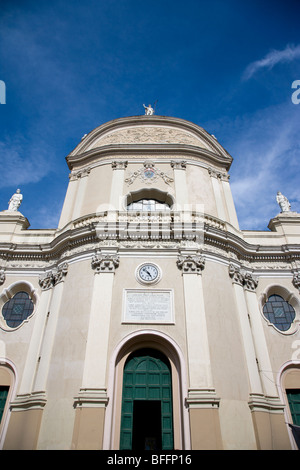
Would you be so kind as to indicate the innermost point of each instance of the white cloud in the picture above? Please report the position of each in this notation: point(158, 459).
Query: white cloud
point(265, 147)
point(288, 54)
point(22, 163)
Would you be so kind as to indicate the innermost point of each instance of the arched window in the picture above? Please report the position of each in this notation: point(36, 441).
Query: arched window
point(149, 200)
point(148, 205)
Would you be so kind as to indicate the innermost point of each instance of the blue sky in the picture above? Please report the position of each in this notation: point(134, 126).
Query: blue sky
point(228, 66)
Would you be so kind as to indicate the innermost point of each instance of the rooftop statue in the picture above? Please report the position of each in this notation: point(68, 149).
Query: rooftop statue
point(148, 110)
point(283, 202)
point(15, 201)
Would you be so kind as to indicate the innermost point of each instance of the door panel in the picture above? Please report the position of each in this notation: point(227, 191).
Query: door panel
point(147, 379)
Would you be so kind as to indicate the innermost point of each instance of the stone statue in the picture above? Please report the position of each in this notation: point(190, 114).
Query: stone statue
point(148, 110)
point(15, 201)
point(283, 202)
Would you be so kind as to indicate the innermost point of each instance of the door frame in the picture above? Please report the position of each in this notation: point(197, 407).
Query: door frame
point(167, 346)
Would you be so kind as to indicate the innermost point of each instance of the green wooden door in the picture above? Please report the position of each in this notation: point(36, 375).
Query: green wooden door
point(3, 397)
point(147, 379)
point(294, 403)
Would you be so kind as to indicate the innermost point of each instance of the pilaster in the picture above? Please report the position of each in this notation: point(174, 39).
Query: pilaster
point(181, 189)
point(201, 400)
point(91, 401)
point(82, 179)
point(119, 167)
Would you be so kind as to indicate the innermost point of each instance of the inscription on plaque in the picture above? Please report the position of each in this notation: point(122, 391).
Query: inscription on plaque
point(145, 306)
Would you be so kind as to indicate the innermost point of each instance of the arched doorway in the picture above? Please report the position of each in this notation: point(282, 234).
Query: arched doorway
point(147, 414)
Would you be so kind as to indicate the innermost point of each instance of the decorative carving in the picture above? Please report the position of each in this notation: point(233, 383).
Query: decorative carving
point(105, 263)
point(178, 165)
point(236, 275)
point(242, 278)
point(2, 277)
point(191, 264)
point(60, 273)
point(296, 280)
point(119, 164)
point(148, 174)
point(218, 174)
point(76, 175)
point(46, 281)
point(150, 135)
point(250, 282)
point(51, 278)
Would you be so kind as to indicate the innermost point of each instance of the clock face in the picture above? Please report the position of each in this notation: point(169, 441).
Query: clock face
point(148, 273)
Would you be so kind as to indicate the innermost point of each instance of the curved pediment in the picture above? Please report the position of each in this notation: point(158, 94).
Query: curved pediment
point(150, 130)
point(148, 135)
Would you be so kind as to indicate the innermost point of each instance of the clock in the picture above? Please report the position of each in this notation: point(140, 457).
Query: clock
point(148, 273)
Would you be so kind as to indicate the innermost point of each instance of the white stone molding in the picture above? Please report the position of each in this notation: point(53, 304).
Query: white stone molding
point(191, 264)
point(105, 263)
point(90, 398)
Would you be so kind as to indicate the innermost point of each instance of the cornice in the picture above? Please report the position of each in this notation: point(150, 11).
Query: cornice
point(95, 230)
point(167, 151)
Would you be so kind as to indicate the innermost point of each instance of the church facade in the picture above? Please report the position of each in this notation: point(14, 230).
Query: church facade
point(148, 319)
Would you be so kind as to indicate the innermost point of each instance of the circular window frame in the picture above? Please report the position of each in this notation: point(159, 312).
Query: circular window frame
point(287, 296)
point(8, 293)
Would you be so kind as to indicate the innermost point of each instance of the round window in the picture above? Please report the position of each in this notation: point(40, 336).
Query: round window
point(17, 309)
point(279, 312)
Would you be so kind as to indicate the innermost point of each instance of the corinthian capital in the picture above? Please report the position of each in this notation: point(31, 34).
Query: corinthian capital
point(236, 275)
point(242, 278)
point(119, 164)
point(51, 278)
point(105, 263)
point(191, 264)
point(250, 282)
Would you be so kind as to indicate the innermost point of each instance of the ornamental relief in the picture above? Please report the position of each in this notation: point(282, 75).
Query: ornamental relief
point(149, 135)
point(148, 173)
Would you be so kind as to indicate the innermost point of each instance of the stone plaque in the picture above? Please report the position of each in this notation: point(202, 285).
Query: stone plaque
point(148, 306)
